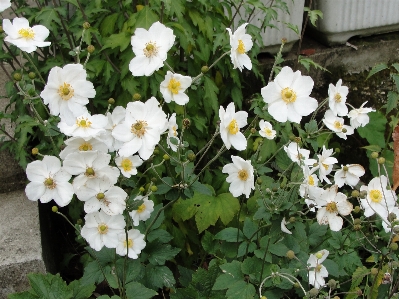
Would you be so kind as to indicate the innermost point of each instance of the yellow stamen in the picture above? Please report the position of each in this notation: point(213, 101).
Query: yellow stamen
point(241, 47)
point(325, 166)
point(338, 125)
point(84, 147)
point(268, 132)
point(100, 196)
point(310, 181)
point(150, 49)
point(27, 33)
point(65, 91)
point(102, 228)
point(174, 86)
point(129, 243)
point(376, 196)
point(243, 175)
point(174, 131)
point(139, 128)
point(233, 127)
point(90, 172)
point(288, 95)
point(49, 183)
point(318, 268)
point(337, 98)
point(332, 207)
point(141, 209)
point(83, 122)
point(127, 165)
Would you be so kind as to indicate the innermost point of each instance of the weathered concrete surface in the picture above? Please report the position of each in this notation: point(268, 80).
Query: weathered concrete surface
point(20, 242)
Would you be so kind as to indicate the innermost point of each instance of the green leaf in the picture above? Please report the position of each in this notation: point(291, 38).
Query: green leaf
point(137, 290)
point(145, 18)
point(159, 253)
point(278, 249)
point(121, 40)
point(159, 277)
point(396, 66)
point(316, 231)
point(358, 276)
point(160, 234)
point(80, 291)
point(108, 24)
point(392, 101)
point(211, 103)
point(249, 228)
point(332, 267)
point(375, 129)
point(241, 290)
point(311, 127)
point(313, 15)
point(232, 273)
point(395, 78)
point(22, 295)
point(230, 234)
point(92, 274)
point(48, 286)
point(377, 68)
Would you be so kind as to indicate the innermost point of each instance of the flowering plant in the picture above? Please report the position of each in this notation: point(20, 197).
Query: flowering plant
point(183, 184)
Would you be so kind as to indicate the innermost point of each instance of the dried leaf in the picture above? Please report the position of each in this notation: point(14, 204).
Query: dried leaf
point(395, 174)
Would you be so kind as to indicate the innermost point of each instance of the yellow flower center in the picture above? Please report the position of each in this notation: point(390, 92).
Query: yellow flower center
point(337, 98)
point(318, 268)
point(241, 47)
point(27, 33)
point(338, 125)
point(139, 128)
point(233, 127)
point(127, 165)
point(243, 175)
point(174, 86)
point(376, 195)
point(141, 209)
point(49, 183)
point(102, 228)
point(325, 166)
point(288, 95)
point(84, 147)
point(150, 49)
point(129, 243)
point(332, 207)
point(65, 91)
point(268, 132)
point(310, 181)
point(83, 123)
point(174, 131)
point(100, 196)
point(90, 172)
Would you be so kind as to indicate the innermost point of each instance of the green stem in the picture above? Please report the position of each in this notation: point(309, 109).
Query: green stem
point(34, 66)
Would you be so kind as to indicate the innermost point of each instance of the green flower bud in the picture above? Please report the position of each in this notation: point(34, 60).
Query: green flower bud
point(32, 75)
point(166, 157)
point(54, 209)
point(393, 246)
point(357, 227)
point(191, 157)
point(297, 139)
point(204, 69)
point(35, 151)
point(259, 181)
point(111, 101)
point(290, 254)
point(344, 130)
point(345, 168)
point(355, 193)
point(154, 188)
point(357, 221)
point(337, 150)
point(136, 96)
point(284, 40)
point(142, 189)
point(79, 221)
point(313, 292)
point(381, 160)
point(292, 219)
point(17, 77)
point(253, 130)
point(374, 155)
point(374, 271)
point(90, 49)
point(332, 284)
point(356, 210)
point(86, 25)
point(391, 217)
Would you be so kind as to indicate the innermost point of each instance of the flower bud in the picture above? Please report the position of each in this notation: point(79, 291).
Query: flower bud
point(332, 284)
point(357, 221)
point(186, 123)
point(396, 229)
point(393, 246)
point(283, 40)
point(17, 77)
point(253, 130)
point(292, 137)
point(374, 155)
point(79, 221)
point(337, 150)
point(90, 49)
point(345, 168)
point(391, 217)
point(313, 292)
point(54, 209)
point(35, 151)
point(204, 69)
point(319, 255)
point(263, 297)
point(86, 25)
point(355, 193)
point(297, 139)
point(136, 96)
point(292, 219)
point(374, 271)
point(381, 160)
point(344, 130)
point(363, 194)
point(274, 189)
point(154, 188)
point(166, 157)
point(156, 151)
point(111, 101)
point(142, 189)
point(290, 254)
point(259, 181)
point(32, 75)
point(139, 7)
point(357, 227)
point(336, 297)
point(191, 157)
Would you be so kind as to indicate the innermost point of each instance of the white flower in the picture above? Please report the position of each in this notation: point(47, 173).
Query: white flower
point(298, 155)
point(240, 43)
point(150, 47)
point(310, 180)
point(76, 144)
point(48, 181)
point(330, 204)
point(172, 133)
point(173, 88)
point(288, 96)
point(143, 212)
point(240, 176)
point(284, 229)
point(90, 165)
point(85, 126)
point(326, 163)
point(24, 37)
point(4, 4)
point(128, 165)
point(142, 128)
point(99, 193)
point(132, 245)
point(336, 124)
point(359, 117)
point(349, 175)
point(379, 199)
point(389, 225)
point(337, 98)
point(67, 91)
point(115, 118)
point(266, 129)
point(313, 193)
point(230, 124)
point(101, 230)
point(318, 272)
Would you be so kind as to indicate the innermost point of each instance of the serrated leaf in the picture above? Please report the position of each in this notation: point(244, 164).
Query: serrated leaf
point(375, 129)
point(145, 18)
point(48, 286)
point(392, 101)
point(22, 295)
point(232, 273)
point(373, 148)
point(396, 66)
point(358, 276)
point(80, 291)
point(211, 103)
point(311, 127)
point(241, 290)
point(395, 78)
point(159, 253)
point(108, 24)
point(278, 249)
point(160, 234)
point(159, 277)
point(137, 290)
point(121, 40)
point(230, 234)
point(249, 228)
point(377, 68)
